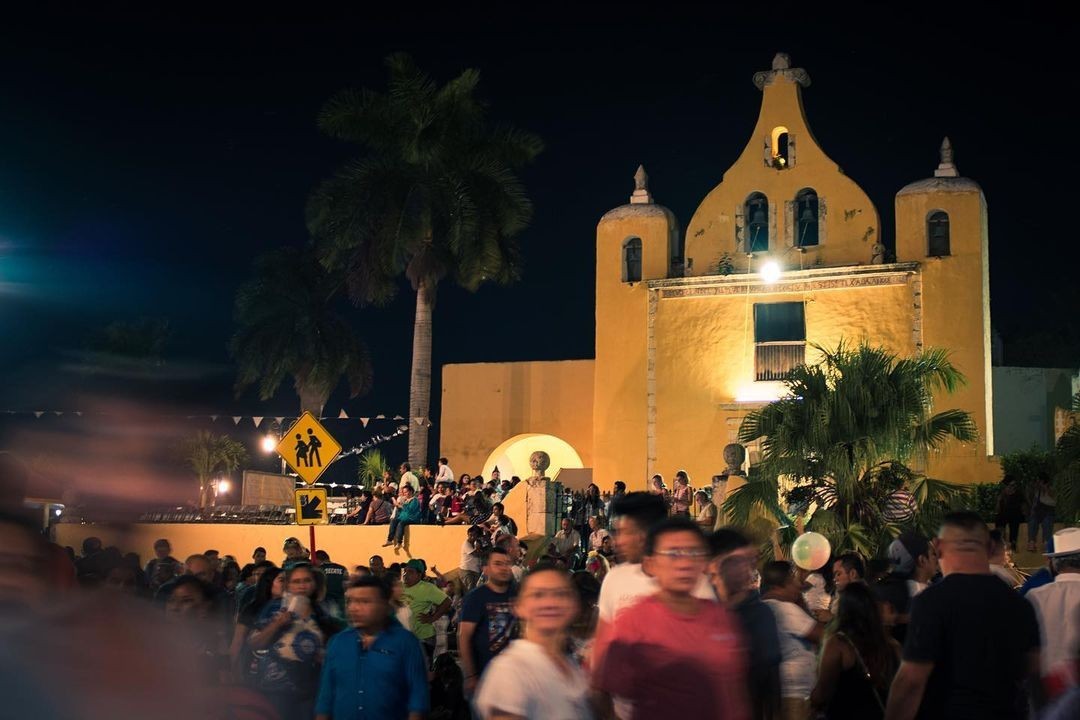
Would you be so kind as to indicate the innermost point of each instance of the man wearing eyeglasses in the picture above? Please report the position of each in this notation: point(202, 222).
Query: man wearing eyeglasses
point(673, 629)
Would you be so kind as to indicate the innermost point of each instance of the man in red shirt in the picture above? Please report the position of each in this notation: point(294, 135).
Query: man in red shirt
point(672, 654)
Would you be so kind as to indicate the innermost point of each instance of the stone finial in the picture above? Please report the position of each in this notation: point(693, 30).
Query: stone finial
point(641, 194)
point(946, 168)
point(781, 67)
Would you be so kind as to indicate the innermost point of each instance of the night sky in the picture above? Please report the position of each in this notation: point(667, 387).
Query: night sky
point(146, 159)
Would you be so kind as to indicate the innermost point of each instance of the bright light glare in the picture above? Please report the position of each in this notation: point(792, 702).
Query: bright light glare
point(223, 486)
point(269, 442)
point(58, 512)
point(770, 271)
point(761, 392)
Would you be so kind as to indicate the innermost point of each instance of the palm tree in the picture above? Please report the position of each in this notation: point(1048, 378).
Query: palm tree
point(839, 443)
point(434, 195)
point(288, 326)
point(373, 464)
point(1067, 451)
point(209, 455)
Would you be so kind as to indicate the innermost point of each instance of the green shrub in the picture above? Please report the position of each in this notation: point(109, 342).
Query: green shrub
point(984, 500)
point(1025, 466)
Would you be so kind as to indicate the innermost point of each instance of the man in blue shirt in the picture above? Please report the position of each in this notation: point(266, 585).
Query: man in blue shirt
point(376, 669)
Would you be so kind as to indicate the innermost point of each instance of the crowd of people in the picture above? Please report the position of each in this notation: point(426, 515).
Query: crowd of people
point(678, 619)
point(429, 498)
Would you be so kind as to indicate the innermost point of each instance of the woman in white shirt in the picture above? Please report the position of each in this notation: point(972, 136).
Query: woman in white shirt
point(534, 678)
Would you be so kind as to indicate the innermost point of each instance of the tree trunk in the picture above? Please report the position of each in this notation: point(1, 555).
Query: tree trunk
point(420, 382)
point(312, 400)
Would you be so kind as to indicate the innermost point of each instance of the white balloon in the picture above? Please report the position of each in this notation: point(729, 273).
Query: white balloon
point(811, 551)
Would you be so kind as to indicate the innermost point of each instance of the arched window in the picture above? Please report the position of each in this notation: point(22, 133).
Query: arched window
point(631, 260)
point(806, 218)
point(937, 234)
point(756, 213)
point(781, 147)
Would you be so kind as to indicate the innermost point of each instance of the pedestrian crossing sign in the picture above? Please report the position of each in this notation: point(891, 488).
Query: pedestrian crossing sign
point(308, 448)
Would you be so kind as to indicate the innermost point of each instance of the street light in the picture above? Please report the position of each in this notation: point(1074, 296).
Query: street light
point(770, 271)
point(221, 487)
point(271, 439)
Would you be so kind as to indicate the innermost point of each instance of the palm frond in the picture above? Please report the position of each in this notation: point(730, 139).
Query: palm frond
point(945, 425)
point(757, 495)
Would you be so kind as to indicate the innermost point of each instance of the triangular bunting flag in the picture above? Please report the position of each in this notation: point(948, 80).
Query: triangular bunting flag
point(365, 421)
point(236, 419)
point(38, 413)
point(419, 421)
point(257, 419)
point(380, 417)
point(342, 415)
point(79, 413)
point(398, 417)
point(278, 420)
point(214, 418)
point(57, 413)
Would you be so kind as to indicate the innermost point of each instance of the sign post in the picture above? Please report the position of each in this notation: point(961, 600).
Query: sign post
point(309, 449)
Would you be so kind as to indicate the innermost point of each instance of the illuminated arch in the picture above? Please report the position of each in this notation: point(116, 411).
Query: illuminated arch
point(512, 456)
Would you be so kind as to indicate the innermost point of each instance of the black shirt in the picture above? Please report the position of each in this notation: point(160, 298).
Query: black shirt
point(978, 633)
point(759, 626)
point(493, 613)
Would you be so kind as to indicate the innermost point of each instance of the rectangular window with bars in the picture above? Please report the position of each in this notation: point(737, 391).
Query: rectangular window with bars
point(779, 339)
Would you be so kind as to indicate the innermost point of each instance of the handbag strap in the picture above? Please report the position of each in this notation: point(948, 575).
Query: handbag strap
point(863, 668)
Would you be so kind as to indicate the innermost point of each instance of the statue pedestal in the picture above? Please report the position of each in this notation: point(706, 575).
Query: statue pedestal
point(540, 499)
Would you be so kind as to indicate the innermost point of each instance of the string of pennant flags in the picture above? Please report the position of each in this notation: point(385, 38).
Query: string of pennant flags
point(372, 442)
point(256, 420)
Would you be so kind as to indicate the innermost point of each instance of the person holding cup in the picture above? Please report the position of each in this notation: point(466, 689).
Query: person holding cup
point(289, 639)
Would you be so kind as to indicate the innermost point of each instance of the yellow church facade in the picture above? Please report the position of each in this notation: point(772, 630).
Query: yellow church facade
point(695, 329)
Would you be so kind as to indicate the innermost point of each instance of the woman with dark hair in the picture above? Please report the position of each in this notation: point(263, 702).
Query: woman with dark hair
point(358, 514)
point(289, 639)
point(270, 585)
point(858, 659)
point(424, 498)
point(379, 509)
point(594, 504)
point(583, 630)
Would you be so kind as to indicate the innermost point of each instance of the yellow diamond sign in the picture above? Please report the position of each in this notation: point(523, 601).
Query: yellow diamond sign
point(308, 448)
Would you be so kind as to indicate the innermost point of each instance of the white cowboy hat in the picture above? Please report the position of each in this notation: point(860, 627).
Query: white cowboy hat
point(1066, 542)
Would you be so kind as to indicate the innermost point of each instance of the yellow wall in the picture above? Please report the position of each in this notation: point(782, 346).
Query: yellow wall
point(349, 545)
point(849, 218)
point(700, 381)
point(485, 404)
